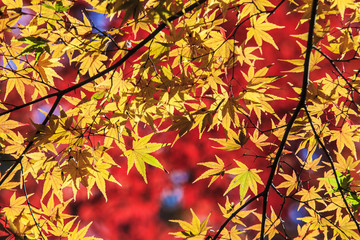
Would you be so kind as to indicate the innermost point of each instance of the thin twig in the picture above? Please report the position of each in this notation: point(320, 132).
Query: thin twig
point(336, 69)
point(28, 202)
point(330, 160)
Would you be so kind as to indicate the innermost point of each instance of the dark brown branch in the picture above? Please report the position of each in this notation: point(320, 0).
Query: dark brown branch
point(301, 103)
point(130, 53)
point(299, 106)
point(235, 213)
point(52, 110)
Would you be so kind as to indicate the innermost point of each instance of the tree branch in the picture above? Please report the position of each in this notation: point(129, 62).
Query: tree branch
point(299, 106)
point(116, 65)
point(235, 213)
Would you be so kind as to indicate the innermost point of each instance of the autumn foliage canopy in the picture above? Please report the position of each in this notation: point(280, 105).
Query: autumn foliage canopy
point(95, 92)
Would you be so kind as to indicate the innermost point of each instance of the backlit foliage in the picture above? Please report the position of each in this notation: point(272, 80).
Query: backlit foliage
point(178, 66)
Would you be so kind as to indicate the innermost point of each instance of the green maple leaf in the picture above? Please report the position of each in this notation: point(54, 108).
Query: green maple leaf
point(245, 178)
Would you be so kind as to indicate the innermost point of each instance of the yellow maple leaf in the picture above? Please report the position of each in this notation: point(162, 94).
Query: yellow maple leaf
point(312, 164)
point(259, 139)
point(347, 228)
point(342, 5)
point(139, 155)
point(310, 197)
point(195, 230)
point(344, 165)
point(80, 233)
point(344, 137)
point(16, 207)
point(290, 184)
point(305, 233)
point(233, 234)
point(220, 44)
point(91, 63)
point(271, 225)
point(13, 4)
point(259, 31)
point(316, 222)
point(229, 208)
point(55, 213)
point(253, 7)
point(100, 176)
point(44, 68)
point(53, 180)
point(216, 170)
point(6, 125)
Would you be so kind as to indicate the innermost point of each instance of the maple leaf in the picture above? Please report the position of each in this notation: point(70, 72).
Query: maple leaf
point(221, 45)
point(310, 197)
point(315, 221)
point(13, 4)
point(344, 165)
point(311, 164)
point(291, 182)
point(6, 126)
point(60, 229)
point(56, 213)
point(38, 45)
point(245, 178)
point(315, 59)
point(54, 181)
point(344, 137)
point(77, 171)
point(80, 233)
point(259, 139)
point(44, 68)
point(233, 142)
point(346, 228)
point(270, 224)
point(16, 207)
point(101, 174)
point(344, 181)
point(259, 29)
point(304, 233)
point(230, 208)
point(342, 5)
point(217, 170)
point(233, 234)
point(139, 155)
point(91, 63)
point(245, 54)
point(254, 7)
point(195, 230)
